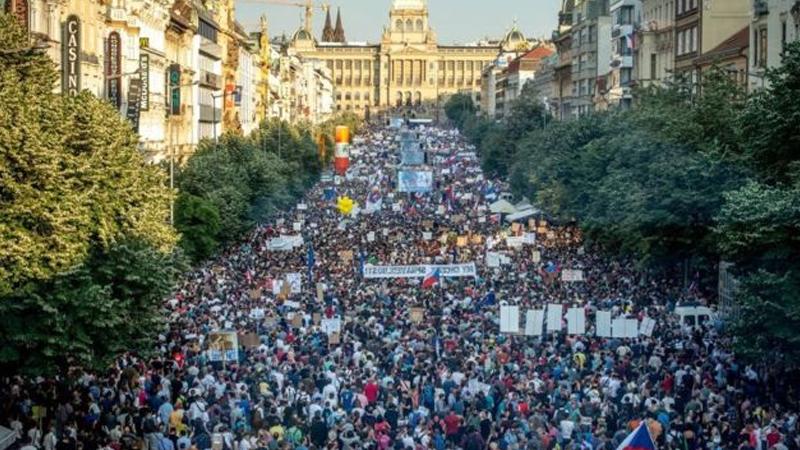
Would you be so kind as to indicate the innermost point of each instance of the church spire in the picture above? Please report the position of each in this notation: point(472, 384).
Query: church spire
point(338, 33)
point(327, 32)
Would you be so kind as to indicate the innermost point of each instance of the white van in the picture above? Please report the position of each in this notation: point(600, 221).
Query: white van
point(692, 317)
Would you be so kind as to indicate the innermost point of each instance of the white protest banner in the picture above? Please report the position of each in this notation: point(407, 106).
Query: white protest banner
point(647, 326)
point(492, 259)
point(295, 282)
point(419, 271)
point(371, 236)
point(302, 206)
point(294, 240)
point(330, 326)
point(509, 319)
point(279, 244)
point(257, 313)
point(534, 321)
point(505, 260)
point(536, 256)
point(603, 325)
point(292, 304)
point(297, 226)
point(529, 238)
point(427, 235)
point(223, 346)
point(554, 311)
point(631, 328)
point(576, 321)
point(385, 232)
point(618, 327)
point(572, 275)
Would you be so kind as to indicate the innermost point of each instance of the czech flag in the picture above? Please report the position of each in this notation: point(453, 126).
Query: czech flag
point(432, 276)
point(639, 439)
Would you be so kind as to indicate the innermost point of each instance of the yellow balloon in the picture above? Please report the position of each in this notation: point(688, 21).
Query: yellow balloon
point(345, 205)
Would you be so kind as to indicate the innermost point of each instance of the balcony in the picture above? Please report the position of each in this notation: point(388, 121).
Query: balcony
point(210, 80)
point(116, 14)
point(760, 8)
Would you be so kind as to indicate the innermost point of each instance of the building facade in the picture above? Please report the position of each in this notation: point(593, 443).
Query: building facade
point(655, 52)
point(563, 92)
point(626, 16)
point(407, 69)
point(591, 52)
point(775, 23)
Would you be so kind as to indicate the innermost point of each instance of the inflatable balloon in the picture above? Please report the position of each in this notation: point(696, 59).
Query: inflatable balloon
point(345, 205)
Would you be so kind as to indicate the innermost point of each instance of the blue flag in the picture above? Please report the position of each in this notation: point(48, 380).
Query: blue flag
point(310, 261)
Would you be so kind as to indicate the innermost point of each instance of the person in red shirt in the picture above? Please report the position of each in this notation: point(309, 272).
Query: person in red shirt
point(371, 390)
point(452, 427)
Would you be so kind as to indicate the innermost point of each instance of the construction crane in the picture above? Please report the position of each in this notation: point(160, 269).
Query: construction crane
point(309, 6)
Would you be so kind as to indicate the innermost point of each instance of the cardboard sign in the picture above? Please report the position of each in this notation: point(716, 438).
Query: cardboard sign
point(255, 294)
point(427, 224)
point(461, 241)
point(477, 240)
point(320, 293)
point(316, 318)
point(249, 340)
point(416, 315)
point(531, 224)
point(297, 320)
point(346, 255)
point(334, 339)
point(515, 227)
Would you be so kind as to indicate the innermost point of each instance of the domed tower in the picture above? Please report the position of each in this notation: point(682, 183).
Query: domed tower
point(408, 22)
point(515, 41)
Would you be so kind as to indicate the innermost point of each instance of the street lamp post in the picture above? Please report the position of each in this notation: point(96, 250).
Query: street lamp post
point(172, 142)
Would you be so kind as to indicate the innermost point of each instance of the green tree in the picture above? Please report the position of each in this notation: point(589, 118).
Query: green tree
point(459, 107)
point(199, 222)
point(84, 220)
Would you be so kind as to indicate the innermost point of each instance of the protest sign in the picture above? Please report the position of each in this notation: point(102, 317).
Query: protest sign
point(534, 322)
point(371, 236)
point(416, 314)
point(570, 275)
point(427, 235)
point(509, 319)
point(462, 241)
point(295, 280)
point(302, 206)
point(515, 227)
point(529, 238)
point(576, 321)
point(492, 259)
point(316, 318)
point(334, 339)
point(647, 326)
point(330, 326)
point(222, 346)
point(536, 256)
point(419, 271)
point(515, 241)
point(320, 293)
point(297, 226)
point(249, 340)
point(554, 311)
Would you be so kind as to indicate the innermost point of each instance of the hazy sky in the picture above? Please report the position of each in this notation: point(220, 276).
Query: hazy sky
point(455, 21)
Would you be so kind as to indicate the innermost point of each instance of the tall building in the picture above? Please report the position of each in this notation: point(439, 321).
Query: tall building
point(591, 52)
point(655, 50)
point(626, 16)
point(775, 23)
point(701, 26)
point(407, 68)
point(563, 91)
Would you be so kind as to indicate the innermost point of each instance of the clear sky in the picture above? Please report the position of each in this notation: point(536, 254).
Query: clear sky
point(455, 21)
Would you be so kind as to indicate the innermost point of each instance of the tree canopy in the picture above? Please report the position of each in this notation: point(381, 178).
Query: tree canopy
point(83, 219)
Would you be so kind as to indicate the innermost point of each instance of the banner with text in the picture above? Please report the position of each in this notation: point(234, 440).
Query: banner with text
point(445, 270)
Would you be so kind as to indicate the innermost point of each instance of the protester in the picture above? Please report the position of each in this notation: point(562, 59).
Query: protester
point(341, 361)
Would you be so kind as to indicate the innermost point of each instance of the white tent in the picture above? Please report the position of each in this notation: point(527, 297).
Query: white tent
point(502, 206)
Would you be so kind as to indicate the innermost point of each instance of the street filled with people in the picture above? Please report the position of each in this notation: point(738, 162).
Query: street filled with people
point(369, 317)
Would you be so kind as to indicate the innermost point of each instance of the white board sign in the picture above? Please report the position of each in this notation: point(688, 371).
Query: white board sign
point(515, 241)
point(297, 226)
point(295, 281)
point(330, 326)
point(529, 238)
point(371, 236)
point(576, 321)
point(554, 311)
point(492, 259)
point(534, 320)
point(302, 206)
point(536, 256)
point(427, 235)
point(509, 319)
point(570, 275)
point(647, 326)
point(603, 325)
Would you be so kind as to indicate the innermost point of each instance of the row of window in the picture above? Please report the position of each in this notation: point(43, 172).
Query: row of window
point(685, 6)
point(686, 41)
point(661, 14)
point(409, 25)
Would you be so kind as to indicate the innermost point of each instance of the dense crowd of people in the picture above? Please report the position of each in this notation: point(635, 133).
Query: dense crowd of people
point(387, 378)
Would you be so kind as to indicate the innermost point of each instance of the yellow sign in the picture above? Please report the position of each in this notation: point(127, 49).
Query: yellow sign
point(144, 42)
point(345, 205)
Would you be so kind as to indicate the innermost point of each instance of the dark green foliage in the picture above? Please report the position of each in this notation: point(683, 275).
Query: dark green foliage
point(87, 253)
point(458, 108)
point(199, 220)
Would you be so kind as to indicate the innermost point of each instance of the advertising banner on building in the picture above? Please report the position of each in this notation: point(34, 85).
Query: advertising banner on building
point(71, 56)
point(134, 94)
point(144, 76)
point(419, 271)
point(114, 69)
point(414, 181)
